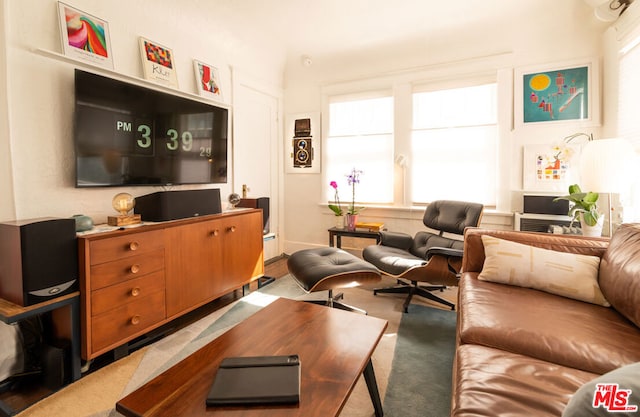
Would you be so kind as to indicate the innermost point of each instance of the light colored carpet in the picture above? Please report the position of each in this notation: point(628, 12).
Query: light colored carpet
point(95, 395)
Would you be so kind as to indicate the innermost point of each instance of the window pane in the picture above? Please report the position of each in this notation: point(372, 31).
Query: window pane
point(361, 117)
point(373, 155)
point(469, 106)
point(455, 164)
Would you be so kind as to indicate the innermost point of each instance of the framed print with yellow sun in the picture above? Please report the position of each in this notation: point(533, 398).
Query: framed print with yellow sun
point(559, 93)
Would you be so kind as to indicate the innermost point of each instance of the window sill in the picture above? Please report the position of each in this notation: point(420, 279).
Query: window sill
point(491, 217)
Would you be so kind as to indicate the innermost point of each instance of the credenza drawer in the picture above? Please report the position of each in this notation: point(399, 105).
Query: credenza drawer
point(129, 291)
point(115, 248)
point(115, 326)
point(114, 272)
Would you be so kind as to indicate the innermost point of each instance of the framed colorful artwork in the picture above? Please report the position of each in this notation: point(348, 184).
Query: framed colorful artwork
point(550, 167)
point(85, 37)
point(158, 63)
point(563, 92)
point(208, 80)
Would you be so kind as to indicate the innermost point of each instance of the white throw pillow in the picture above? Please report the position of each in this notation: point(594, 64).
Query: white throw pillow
point(567, 274)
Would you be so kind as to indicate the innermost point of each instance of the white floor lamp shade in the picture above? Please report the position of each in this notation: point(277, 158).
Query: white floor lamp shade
point(605, 167)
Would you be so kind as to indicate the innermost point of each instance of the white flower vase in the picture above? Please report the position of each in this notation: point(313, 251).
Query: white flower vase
point(591, 231)
point(339, 222)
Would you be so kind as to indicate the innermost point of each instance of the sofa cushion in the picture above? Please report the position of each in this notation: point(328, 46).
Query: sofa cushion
point(490, 382)
point(545, 326)
point(567, 274)
point(620, 272)
point(473, 260)
point(627, 380)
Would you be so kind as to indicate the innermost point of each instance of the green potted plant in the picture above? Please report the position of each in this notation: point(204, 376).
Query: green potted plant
point(584, 208)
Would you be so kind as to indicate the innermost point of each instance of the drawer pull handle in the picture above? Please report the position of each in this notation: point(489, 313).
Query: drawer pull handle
point(135, 320)
point(134, 245)
point(214, 232)
point(232, 229)
point(134, 269)
point(135, 292)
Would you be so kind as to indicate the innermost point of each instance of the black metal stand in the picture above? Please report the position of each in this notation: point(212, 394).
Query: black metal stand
point(415, 289)
point(17, 313)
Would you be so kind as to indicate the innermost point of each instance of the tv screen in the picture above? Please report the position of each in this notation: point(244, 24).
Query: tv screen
point(126, 134)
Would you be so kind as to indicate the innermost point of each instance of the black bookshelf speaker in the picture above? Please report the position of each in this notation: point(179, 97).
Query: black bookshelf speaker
point(173, 205)
point(38, 260)
point(261, 203)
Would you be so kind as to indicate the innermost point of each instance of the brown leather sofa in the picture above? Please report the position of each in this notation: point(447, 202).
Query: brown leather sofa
point(524, 352)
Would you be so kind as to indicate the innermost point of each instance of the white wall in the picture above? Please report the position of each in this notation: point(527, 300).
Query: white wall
point(39, 177)
point(560, 31)
point(7, 205)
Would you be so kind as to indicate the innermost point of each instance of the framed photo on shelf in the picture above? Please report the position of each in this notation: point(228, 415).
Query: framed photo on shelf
point(208, 80)
point(158, 63)
point(565, 92)
point(85, 37)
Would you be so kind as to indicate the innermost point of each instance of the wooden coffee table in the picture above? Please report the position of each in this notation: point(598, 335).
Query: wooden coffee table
point(334, 346)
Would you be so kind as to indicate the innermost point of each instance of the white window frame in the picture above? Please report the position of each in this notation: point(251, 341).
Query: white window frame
point(490, 200)
point(402, 84)
point(374, 187)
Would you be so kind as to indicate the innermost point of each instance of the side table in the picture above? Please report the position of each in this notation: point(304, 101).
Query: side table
point(335, 235)
point(12, 313)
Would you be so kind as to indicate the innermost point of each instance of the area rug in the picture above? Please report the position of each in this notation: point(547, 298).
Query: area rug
point(412, 362)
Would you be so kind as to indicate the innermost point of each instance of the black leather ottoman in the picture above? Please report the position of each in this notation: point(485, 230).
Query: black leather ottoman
point(330, 268)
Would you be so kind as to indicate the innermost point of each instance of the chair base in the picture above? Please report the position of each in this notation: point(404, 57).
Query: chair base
point(415, 289)
point(334, 302)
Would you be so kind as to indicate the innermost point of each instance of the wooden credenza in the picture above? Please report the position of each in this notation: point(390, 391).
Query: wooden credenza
point(135, 280)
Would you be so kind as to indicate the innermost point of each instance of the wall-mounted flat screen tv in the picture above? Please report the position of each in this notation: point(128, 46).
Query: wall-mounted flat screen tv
point(128, 135)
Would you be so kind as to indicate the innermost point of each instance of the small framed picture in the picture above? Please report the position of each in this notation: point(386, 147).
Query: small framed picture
point(158, 63)
point(85, 37)
point(550, 167)
point(207, 80)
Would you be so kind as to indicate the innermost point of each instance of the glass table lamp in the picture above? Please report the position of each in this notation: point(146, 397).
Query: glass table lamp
point(123, 203)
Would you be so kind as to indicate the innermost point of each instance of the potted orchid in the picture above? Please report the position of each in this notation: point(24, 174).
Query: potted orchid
point(352, 211)
point(353, 178)
point(336, 208)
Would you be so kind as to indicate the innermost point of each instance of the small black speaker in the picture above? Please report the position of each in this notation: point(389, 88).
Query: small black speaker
point(173, 205)
point(545, 204)
point(38, 260)
point(261, 203)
